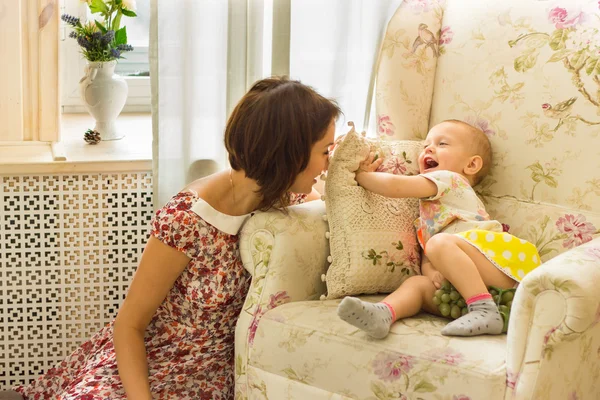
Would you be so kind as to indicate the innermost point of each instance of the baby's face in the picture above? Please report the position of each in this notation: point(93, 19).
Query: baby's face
point(445, 148)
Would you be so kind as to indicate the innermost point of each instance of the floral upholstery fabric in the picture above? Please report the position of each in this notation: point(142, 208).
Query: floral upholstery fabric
point(305, 342)
point(527, 73)
point(286, 255)
point(413, 41)
point(554, 332)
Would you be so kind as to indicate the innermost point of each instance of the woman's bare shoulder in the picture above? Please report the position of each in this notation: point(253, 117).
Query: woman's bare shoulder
point(203, 185)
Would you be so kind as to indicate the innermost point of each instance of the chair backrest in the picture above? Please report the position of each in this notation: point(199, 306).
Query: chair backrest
point(527, 72)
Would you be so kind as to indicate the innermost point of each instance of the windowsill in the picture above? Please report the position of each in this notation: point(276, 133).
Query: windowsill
point(132, 153)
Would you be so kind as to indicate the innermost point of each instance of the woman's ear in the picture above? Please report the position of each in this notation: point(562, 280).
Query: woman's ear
point(474, 166)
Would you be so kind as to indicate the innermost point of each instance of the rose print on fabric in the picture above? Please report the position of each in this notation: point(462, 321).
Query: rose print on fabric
point(390, 366)
point(385, 127)
point(419, 6)
point(460, 397)
point(573, 396)
point(399, 376)
point(254, 324)
point(482, 124)
point(446, 35)
point(511, 379)
point(576, 229)
point(446, 356)
point(595, 253)
point(561, 18)
point(275, 300)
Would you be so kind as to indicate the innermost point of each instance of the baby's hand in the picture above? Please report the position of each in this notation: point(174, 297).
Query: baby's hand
point(437, 279)
point(370, 164)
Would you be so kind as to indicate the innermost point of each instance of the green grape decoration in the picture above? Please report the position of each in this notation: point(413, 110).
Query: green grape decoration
point(451, 304)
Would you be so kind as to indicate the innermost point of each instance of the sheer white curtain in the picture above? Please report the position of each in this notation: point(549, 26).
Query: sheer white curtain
point(188, 61)
point(334, 45)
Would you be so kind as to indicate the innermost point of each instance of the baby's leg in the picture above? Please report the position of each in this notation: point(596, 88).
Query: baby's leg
point(414, 294)
point(470, 273)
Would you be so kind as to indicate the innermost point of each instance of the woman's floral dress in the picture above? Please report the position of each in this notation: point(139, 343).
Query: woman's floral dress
point(190, 339)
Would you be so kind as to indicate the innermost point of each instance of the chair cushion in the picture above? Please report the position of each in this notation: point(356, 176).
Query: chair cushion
point(372, 238)
point(306, 342)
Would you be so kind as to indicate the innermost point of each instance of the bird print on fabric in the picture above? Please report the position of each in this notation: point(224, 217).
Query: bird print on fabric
point(426, 38)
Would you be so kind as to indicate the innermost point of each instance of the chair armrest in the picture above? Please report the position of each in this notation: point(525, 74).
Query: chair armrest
point(286, 256)
point(556, 303)
point(286, 253)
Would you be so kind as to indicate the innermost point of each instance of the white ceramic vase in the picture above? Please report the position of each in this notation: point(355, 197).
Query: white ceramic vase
point(104, 94)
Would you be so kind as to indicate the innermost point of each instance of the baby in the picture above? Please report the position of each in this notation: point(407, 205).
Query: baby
point(459, 240)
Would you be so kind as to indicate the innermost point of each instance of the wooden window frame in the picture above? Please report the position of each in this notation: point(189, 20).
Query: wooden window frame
point(30, 98)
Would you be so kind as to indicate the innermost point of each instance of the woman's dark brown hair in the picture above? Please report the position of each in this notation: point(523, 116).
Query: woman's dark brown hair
point(271, 132)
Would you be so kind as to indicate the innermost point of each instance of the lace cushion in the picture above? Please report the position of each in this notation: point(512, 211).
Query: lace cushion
point(372, 238)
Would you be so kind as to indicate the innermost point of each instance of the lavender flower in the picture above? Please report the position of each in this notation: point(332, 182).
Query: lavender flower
point(84, 42)
point(69, 19)
point(97, 43)
point(125, 47)
point(108, 37)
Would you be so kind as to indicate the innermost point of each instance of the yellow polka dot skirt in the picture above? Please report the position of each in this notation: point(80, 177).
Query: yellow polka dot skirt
point(511, 255)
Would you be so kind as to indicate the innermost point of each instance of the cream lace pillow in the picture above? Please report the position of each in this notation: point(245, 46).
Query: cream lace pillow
point(372, 238)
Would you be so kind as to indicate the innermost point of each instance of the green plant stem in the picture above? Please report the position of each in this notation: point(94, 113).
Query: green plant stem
point(552, 239)
point(577, 81)
point(514, 42)
point(109, 14)
point(533, 189)
point(582, 120)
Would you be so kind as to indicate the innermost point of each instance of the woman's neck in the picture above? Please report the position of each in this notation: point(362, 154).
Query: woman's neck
point(244, 196)
point(229, 192)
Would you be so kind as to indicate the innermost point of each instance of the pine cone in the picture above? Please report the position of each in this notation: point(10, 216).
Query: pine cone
point(92, 137)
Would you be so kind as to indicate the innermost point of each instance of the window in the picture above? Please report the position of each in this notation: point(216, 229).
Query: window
point(28, 73)
point(135, 67)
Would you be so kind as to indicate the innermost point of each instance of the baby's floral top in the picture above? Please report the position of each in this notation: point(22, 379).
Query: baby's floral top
point(455, 208)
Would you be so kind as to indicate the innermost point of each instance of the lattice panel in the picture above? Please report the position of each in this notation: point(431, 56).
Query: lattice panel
point(69, 245)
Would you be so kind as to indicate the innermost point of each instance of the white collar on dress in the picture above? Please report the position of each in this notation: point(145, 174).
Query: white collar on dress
point(230, 224)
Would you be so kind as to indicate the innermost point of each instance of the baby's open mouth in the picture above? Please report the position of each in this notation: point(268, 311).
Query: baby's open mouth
point(430, 163)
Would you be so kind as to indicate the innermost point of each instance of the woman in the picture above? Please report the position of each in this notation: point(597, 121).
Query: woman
point(173, 337)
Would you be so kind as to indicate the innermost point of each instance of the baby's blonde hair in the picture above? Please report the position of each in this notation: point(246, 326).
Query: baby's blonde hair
point(480, 146)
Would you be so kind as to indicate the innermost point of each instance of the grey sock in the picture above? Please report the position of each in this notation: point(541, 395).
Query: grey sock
point(483, 319)
point(374, 319)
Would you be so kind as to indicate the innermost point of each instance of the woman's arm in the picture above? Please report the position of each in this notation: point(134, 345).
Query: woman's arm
point(159, 267)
